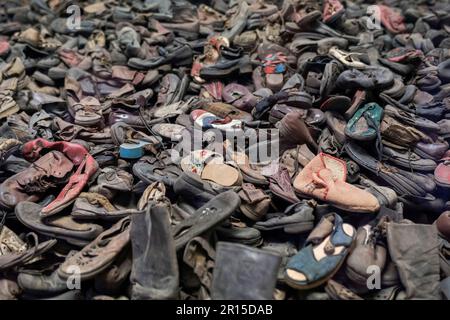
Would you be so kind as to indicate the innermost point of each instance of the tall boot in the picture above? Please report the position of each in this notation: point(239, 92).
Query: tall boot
point(154, 273)
point(243, 272)
point(414, 249)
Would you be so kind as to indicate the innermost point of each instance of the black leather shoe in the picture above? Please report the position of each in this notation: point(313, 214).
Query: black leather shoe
point(193, 189)
point(177, 55)
point(206, 217)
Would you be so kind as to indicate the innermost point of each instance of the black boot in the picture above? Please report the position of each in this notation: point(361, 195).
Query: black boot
point(242, 272)
point(154, 274)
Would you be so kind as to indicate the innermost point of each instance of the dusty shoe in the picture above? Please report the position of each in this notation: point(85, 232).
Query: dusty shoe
point(47, 172)
point(238, 232)
point(414, 250)
point(102, 252)
point(42, 285)
point(232, 281)
point(152, 241)
point(88, 112)
point(199, 255)
point(63, 227)
point(223, 205)
point(10, 242)
point(8, 105)
point(367, 252)
point(114, 278)
point(297, 218)
point(20, 257)
point(293, 132)
point(254, 202)
point(92, 205)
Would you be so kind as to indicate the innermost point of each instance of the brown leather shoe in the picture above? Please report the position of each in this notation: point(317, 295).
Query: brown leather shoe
point(224, 110)
point(396, 134)
point(29, 185)
point(100, 253)
point(254, 202)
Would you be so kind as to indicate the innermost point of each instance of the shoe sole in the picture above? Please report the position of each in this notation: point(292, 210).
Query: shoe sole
point(221, 174)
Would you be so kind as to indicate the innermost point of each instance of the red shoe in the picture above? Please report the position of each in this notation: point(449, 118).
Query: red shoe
point(392, 20)
point(87, 167)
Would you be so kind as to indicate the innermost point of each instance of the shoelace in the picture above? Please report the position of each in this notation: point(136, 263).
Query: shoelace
point(378, 142)
point(410, 153)
point(2, 222)
point(33, 236)
point(378, 235)
point(148, 124)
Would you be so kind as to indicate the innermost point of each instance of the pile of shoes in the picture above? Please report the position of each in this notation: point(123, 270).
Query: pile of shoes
point(255, 149)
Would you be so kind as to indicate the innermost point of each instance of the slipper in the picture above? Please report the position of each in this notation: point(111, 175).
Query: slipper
point(274, 81)
point(326, 249)
point(324, 178)
point(173, 109)
point(364, 125)
point(274, 67)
